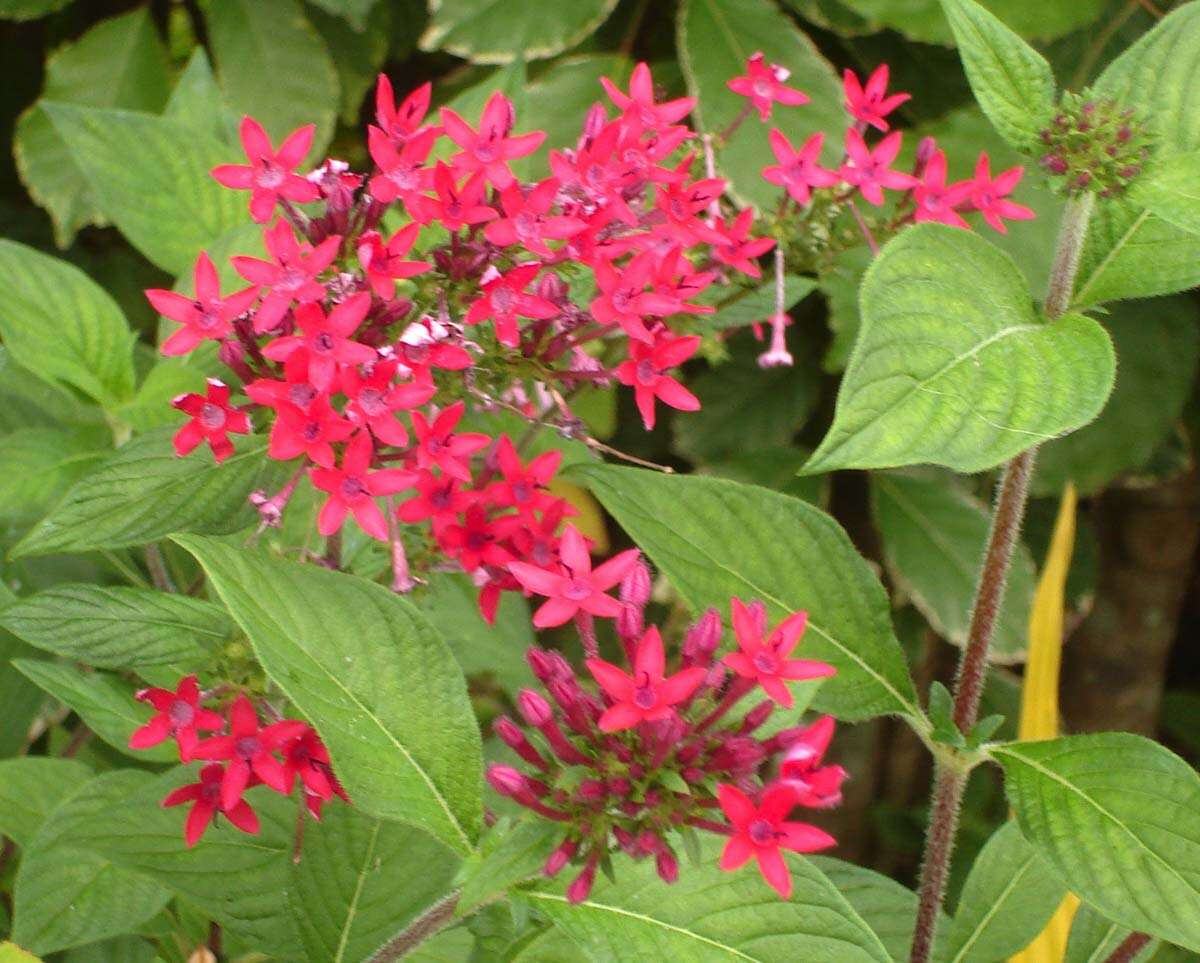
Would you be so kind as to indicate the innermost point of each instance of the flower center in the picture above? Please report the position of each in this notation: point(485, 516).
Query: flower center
point(644, 696)
point(502, 299)
point(762, 88)
point(181, 713)
point(291, 279)
point(371, 401)
point(302, 395)
point(761, 832)
point(577, 590)
point(270, 177)
point(485, 151)
point(525, 224)
point(247, 747)
point(352, 488)
point(323, 342)
point(766, 663)
point(404, 177)
point(311, 431)
point(645, 372)
point(521, 492)
point(212, 417)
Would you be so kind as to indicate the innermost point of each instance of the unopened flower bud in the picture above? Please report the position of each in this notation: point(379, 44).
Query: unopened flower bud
point(515, 739)
point(506, 780)
point(756, 717)
point(560, 857)
point(534, 709)
point(591, 790)
point(636, 585)
point(233, 356)
point(702, 638)
point(667, 866)
point(581, 885)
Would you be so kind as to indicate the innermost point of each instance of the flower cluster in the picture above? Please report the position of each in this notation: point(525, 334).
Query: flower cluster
point(360, 356)
point(1093, 144)
point(652, 756)
point(243, 753)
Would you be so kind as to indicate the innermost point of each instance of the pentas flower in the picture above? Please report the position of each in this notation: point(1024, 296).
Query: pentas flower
point(869, 104)
point(248, 749)
point(523, 487)
point(353, 488)
point(402, 171)
point(307, 761)
point(989, 195)
point(206, 315)
point(646, 695)
point(869, 169)
point(624, 300)
point(400, 123)
point(374, 398)
point(505, 300)
point(763, 83)
point(527, 220)
point(816, 785)
point(738, 249)
point(385, 264)
point(762, 830)
point(213, 418)
point(478, 540)
point(574, 587)
point(798, 170)
point(311, 431)
point(290, 276)
point(205, 797)
point(489, 149)
point(456, 207)
point(178, 716)
point(646, 372)
point(270, 175)
point(653, 753)
point(439, 447)
point(935, 200)
point(440, 499)
point(639, 105)
point(327, 339)
point(763, 657)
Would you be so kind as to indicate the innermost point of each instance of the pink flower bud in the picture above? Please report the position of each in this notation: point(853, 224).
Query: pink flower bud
point(506, 780)
point(515, 739)
point(560, 857)
point(233, 356)
point(619, 787)
point(534, 709)
point(636, 585)
point(703, 638)
point(667, 866)
point(625, 840)
point(540, 664)
point(756, 717)
point(581, 885)
point(591, 790)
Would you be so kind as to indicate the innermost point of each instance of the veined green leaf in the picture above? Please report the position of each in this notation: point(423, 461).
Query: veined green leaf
point(489, 33)
point(1169, 190)
point(741, 540)
point(30, 787)
point(372, 675)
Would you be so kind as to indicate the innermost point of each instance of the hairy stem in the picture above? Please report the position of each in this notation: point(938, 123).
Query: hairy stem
point(157, 567)
point(1011, 497)
point(1129, 947)
point(432, 921)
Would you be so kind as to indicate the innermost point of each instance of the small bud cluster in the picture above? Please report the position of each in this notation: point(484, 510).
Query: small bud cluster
point(651, 757)
point(1094, 145)
point(244, 753)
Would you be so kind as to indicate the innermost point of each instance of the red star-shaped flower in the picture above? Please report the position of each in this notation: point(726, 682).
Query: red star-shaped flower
point(646, 372)
point(648, 694)
point(798, 170)
point(989, 195)
point(212, 419)
point(505, 301)
point(206, 315)
point(489, 150)
point(205, 797)
point(327, 338)
point(178, 714)
point(763, 84)
point(271, 173)
point(766, 660)
point(868, 169)
point(290, 275)
point(870, 104)
point(353, 489)
point(385, 264)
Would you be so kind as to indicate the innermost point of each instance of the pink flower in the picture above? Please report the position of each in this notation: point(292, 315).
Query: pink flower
point(763, 84)
point(988, 195)
point(206, 315)
point(400, 123)
point(737, 248)
point(178, 715)
point(798, 170)
point(402, 172)
point(306, 758)
point(212, 420)
point(438, 446)
point(439, 498)
point(623, 298)
point(639, 106)
point(763, 830)
point(490, 150)
point(249, 749)
point(526, 222)
point(374, 399)
point(476, 541)
point(816, 786)
point(645, 372)
point(270, 174)
point(505, 300)
point(870, 105)
point(308, 431)
point(647, 695)
point(869, 169)
point(385, 264)
point(327, 339)
point(290, 275)
point(765, 660)
point(205, 797)
point(934, 199)
point(353, 489)
point(456, 207)
point(576, 587)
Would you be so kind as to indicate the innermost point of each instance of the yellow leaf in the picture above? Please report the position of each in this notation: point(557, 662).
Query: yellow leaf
point(11, 953)
point(590, 520)
point(1039, 696)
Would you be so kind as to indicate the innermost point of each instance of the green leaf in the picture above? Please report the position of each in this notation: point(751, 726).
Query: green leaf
point(151, 406)
point(256, 39)
point(744, 407)
point(150, 177)
point(745, 306)
point(451, 606)
point(953, 364)
point(358, 54)
point(26, 401)
point(489, 33)
point(889, 908)
point(508, 854)
point(66, 895)
point(40, 464)
point(716, 539)
point(1157, 78)
point(922, 19)
point(11, 953)
point(30, 787)
point(1007, 899)
point(117, 627)
point(1169, 190)
point(105, 702)
point(29, 10)
point(236, 880)
point(1012, 82)
point(119, 949)
point(144, 492)
point(715, 38)
point(197, 102)
point(933, 539)
point(62, 326)
point(372, 675)
point(354, 12)
point(1131, 252)
point(19, 700)
point(117, 63)
point(362, 880)
point(1157, 346)
point(711, 916)
point(1093, 939)
point(1118, 816)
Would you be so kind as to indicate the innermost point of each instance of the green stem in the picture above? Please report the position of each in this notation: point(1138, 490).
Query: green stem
point(1011, 497)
